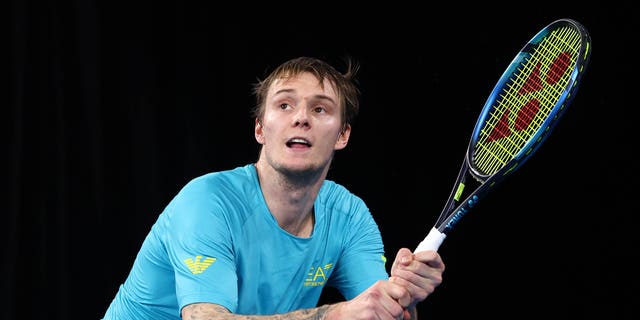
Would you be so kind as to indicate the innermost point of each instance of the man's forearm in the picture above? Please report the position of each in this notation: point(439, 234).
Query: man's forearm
point(208, 311)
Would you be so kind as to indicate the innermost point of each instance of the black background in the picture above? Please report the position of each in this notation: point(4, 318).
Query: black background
point(112, 107)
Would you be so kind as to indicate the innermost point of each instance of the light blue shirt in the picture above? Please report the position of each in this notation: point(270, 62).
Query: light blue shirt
point(217, 242)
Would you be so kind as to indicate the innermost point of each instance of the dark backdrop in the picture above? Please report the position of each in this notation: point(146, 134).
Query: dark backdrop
point(111, 108)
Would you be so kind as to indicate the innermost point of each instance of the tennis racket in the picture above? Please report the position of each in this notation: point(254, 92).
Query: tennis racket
point(523, 108)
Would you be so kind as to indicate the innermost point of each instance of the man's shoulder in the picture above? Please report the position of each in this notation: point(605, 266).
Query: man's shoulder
point(239, 179)
point(338, 194)
point(246, 172)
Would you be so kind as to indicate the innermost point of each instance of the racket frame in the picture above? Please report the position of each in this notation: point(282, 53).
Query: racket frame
point(455, 207)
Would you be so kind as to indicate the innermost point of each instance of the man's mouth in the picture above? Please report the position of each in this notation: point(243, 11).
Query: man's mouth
point(298, 141)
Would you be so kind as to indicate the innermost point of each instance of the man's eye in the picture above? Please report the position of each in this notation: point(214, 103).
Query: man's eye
point(284, 106)
point(319, 109)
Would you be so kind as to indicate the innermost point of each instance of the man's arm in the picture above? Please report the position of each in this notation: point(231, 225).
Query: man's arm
point(383, 300)
point(210, 311)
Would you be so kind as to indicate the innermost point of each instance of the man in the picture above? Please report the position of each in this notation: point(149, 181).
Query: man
point(263, 240)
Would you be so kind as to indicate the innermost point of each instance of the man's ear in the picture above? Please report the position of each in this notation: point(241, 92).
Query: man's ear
point(259, 132)
point(343, 137)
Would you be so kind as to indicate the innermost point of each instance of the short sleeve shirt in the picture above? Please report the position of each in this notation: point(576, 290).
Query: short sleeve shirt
point(217, 242)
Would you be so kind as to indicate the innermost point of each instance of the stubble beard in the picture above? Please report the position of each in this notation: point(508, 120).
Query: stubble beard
point(299, 177)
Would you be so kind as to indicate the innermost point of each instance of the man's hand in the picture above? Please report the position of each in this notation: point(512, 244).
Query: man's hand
point(420, 273)
point(383, 300)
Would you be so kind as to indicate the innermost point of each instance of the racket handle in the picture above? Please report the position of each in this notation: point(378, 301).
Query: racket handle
point(432, 241)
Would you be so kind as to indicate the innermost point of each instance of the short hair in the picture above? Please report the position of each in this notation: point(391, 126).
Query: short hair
point(345, 84)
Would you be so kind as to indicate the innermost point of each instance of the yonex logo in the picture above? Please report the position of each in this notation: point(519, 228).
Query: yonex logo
point(542, 85)
point(198, 265)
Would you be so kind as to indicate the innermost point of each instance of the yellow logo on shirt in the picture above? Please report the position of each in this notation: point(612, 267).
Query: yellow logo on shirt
point(198, 265)
point(317, 276)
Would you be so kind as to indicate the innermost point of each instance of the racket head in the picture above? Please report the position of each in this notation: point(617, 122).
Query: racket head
point(529, 99)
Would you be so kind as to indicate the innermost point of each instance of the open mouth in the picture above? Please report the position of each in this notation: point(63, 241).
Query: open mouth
point(298, 142)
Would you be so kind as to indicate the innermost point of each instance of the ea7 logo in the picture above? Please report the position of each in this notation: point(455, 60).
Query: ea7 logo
point(317, 276)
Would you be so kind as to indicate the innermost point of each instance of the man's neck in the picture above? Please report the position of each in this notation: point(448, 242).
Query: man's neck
point(290, 199)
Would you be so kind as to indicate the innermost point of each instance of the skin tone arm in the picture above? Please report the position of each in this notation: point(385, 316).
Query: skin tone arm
point(383, 300)
point(201, 311)
point(413, 278)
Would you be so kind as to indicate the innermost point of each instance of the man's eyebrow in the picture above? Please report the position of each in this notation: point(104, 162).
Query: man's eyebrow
point(317, 96)
point(283, 91)
point(324, 97)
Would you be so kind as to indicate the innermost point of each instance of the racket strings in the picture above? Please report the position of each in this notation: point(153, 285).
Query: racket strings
point(527, 99)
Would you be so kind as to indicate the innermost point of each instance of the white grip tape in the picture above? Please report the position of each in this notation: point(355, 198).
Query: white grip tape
point(432, 241)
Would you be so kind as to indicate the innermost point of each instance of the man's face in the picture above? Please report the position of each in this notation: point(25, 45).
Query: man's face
point(302, 126)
